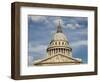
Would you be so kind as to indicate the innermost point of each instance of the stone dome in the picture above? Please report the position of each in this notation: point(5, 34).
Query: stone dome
point(59, 44)
point(59, 36)
point(59, 40)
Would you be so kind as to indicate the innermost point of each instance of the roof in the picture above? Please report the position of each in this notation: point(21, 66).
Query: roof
point(53, 60)
point(59, 36)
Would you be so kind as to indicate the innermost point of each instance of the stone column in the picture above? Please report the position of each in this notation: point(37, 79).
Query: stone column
point(63, 51)
point(51, 52)
point(66, 52)
point(54, 51)
point(60, 50)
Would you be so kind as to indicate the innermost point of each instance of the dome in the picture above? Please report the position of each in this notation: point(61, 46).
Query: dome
point(59, 36)
point(59, 39)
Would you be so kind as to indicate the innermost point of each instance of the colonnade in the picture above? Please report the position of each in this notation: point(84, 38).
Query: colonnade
point(58, 50)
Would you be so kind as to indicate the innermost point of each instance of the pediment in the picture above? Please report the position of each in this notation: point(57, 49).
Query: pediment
point(59, 58)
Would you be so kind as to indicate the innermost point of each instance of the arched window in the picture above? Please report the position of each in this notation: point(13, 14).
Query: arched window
point(59, 43)
point(62, 43)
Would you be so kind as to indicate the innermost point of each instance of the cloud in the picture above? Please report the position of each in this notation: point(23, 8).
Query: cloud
point(47, 21)
point(81, 19)
point(79, 43)
point(37, 18)
point(72, 26)
point(82, 32)
point(36, 51)
point(40, 49)
point(71, 23)
point(43, 19)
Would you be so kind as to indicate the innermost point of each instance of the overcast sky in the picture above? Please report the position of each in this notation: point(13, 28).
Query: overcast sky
point(42, 28)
